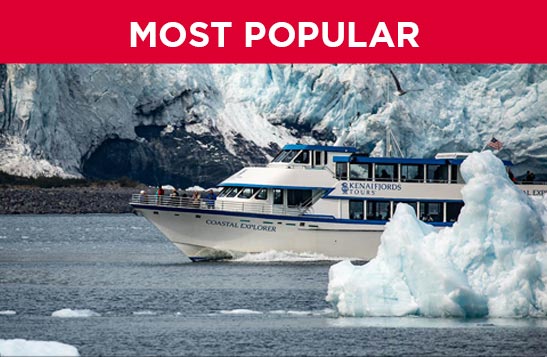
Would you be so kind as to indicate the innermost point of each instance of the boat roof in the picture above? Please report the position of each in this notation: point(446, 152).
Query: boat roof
point(320, 148)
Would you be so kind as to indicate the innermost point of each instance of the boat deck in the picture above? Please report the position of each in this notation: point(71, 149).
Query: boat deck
point(220, 205)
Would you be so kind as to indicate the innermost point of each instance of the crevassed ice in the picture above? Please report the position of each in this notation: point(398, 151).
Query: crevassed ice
point(265, 104)
point(492, 262)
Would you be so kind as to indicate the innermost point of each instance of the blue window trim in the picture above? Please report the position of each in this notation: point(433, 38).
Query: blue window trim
point(320, 148)
point(388, 160)
point(424, 200)
point(223, 184)
point(399, 160)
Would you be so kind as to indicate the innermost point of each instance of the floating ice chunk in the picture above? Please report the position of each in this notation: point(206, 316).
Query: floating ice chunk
point(493, 261)
point(21, 347)
point(144, 313)
point(75, 313)
point(240, 312)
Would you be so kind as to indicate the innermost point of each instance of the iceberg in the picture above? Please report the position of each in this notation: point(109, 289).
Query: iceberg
point(21, 347)
point(491, 262)
point(70, 313)
point(8, 312)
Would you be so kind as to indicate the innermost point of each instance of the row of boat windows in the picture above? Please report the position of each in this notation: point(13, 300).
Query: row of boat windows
point(292, 197)
point(397, 172)
point(244, 192)
point(301, 157)
point(426, 211)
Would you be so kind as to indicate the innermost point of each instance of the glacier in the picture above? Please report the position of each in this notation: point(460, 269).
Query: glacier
point(491, 262)
point(196, 124)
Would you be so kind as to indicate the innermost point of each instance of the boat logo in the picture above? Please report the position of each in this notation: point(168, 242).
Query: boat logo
point(367, 188)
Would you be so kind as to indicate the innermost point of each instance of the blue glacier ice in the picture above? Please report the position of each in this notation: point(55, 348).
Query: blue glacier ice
point(492, 262)
point(54, 117)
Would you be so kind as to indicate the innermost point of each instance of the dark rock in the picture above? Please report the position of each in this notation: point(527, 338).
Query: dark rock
point(71, 200)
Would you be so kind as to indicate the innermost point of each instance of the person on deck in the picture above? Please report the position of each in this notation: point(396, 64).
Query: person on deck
point(210, 199)
point(196, 198)
point(511, 176)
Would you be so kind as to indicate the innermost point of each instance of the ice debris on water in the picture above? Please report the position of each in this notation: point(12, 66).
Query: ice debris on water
point(70, 313)
point(22, 347)
point(491, 262)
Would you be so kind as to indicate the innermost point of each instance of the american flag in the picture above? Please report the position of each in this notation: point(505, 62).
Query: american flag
point(495, 144)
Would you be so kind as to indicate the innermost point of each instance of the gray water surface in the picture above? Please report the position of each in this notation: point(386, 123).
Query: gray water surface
point(153, 301)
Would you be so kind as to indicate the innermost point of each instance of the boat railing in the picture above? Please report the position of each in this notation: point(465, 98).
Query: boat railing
point(222, 205)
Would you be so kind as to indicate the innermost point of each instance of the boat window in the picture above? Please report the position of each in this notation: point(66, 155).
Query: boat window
point(437, 173)
point(412, 173)
point(360, 171)
point(224, 191)
point(454, 173)
point(341, 170)
point(281, 156)
point(356, 209)
point(411, 204)
point(378, 210)
point(298, 197)
point(247, 192)
point(291, 154)
point(234, 192)
point(318, 158)
point(431, 211)
point(386, 172)
point(303, 157)
point(453, 211)
point(278, 196)
point(262, 194)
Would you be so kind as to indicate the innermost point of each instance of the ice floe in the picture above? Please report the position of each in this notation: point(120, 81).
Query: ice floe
point(69, 313)
point(21, 347)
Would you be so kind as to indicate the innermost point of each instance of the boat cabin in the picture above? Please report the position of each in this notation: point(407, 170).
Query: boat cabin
point(318, 156)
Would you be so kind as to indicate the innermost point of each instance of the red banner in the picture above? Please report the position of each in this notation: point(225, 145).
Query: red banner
point(171, 31)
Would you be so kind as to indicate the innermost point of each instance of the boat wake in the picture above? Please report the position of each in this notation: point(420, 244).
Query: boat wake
point(286, 256)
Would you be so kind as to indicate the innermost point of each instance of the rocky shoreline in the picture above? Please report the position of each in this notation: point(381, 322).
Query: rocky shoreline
point(66, 200)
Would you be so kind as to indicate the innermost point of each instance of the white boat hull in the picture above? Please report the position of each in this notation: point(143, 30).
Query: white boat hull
point(204, 234)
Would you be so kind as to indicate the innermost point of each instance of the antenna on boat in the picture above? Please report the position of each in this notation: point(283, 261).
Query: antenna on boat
point(390, 137)
point(351, 129)
point(341, 134)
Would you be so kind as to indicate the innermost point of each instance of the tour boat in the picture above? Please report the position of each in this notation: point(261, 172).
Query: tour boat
point(328, 200)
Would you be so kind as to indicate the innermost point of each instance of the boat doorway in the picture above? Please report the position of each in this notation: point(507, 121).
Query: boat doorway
point(278, 206)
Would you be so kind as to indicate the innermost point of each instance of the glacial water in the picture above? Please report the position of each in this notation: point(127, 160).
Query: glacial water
point(113, 285)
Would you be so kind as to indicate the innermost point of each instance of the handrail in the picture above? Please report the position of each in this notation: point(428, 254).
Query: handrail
point(306, 206)
point(221, 205)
